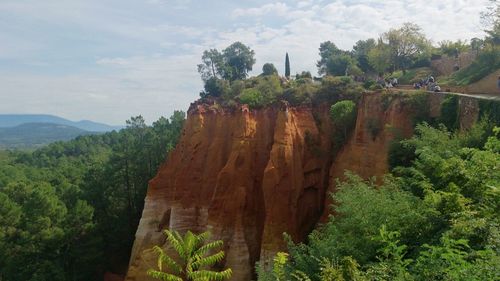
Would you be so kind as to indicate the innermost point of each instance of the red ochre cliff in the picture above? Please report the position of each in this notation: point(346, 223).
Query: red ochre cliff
point(248, 176)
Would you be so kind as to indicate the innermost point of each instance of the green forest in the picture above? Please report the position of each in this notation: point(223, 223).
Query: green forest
point(69, 211)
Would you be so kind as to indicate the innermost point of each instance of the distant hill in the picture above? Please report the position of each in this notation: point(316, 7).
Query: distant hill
point(12, 120)
point(30, 135)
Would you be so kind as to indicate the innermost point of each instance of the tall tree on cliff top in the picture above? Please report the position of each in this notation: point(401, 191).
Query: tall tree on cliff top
point(233, 63)
point(238, 60)
point(327, 50)
point(360, 52)
point(490, 19)
point(287, 66)
point(211, 65)
point(407, 44)
point(192, 261)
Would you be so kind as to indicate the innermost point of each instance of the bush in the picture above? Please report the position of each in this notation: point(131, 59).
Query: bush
point(343, 115)
point(449, 112)
point(269, 69)
point(300, 93)
point(333, 89)
point(252, 97)
point(215, 87)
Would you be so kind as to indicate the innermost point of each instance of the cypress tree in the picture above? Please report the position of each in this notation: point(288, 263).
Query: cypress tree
point(287, 66)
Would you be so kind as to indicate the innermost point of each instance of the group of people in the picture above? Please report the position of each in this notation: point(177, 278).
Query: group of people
point(388, 83)
point(429, 83)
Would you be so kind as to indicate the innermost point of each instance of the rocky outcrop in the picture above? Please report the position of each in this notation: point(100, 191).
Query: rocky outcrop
point(248, 176)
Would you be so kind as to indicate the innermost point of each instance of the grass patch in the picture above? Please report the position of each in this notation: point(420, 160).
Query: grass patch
point(412, 75)
point(487, 62)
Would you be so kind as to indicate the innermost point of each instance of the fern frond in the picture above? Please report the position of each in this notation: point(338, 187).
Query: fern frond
point(300, 276)
point(207, 247)
point(211, 275)
point(173, 240)
point(190, 242)
point(163, 276)
point(208, 261)
point(164, 258)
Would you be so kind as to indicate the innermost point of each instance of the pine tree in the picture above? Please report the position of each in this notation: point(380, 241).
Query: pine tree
point(192, 262)
point(287, 66)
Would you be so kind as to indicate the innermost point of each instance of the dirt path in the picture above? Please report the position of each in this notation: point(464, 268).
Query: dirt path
point(409, 88)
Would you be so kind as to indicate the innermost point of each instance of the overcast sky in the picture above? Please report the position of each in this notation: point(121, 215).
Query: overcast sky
point(107, 60)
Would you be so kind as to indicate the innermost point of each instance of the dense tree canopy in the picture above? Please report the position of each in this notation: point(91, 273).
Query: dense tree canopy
point(269, 69)
point(433, 218)
point(361, 50)
point(69, 211)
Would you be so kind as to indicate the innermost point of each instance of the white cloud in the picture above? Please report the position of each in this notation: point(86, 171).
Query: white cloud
point(279, 9)
point(140, 57)
point(151, 86)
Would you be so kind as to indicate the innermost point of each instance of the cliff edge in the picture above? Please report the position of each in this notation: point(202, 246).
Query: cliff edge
point(248, 176)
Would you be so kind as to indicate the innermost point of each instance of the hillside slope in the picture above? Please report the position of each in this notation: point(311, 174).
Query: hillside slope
point(30, 135)
point(12, 120)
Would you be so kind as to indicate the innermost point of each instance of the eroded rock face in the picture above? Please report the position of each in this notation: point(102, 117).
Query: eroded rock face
point(247, 176)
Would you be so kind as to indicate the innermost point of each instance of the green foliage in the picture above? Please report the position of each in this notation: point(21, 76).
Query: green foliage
point(238, 61)
point(69, 211)
point(449, 112)
point(215, 87)
point(343, 115)
point(407, 44)
point(412, 75)
point(327, 50)
point(287, 66)
point(335, 61)
point(490, 109)
point(252, 97)
point(361, 50)
point(277, 272)
point(490, 19)
point(379, 57)
point(212, 65)
point(262, 91)
point(194, 258)
point(233, 63)
point(453, 49)
point(302, 93)
point(333, 89)
point(435, 218)
point(269, 69)
point(392, 264)
point(486, 63)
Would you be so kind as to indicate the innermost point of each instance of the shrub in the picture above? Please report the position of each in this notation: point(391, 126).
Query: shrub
point(449, 112)
point(252, 97)
point(269, 69)
point(333, 89)
point(215, 87)
point(343, 115)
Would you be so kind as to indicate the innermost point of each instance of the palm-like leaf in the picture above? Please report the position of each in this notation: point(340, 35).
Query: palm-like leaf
point(165, 259)
point(176, 242)
point(207, 275)
point(208, 261)
point(191, 249)
point(163, 276)
point(209, 246)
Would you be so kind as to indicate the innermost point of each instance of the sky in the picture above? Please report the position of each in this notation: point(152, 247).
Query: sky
point(108, 60)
